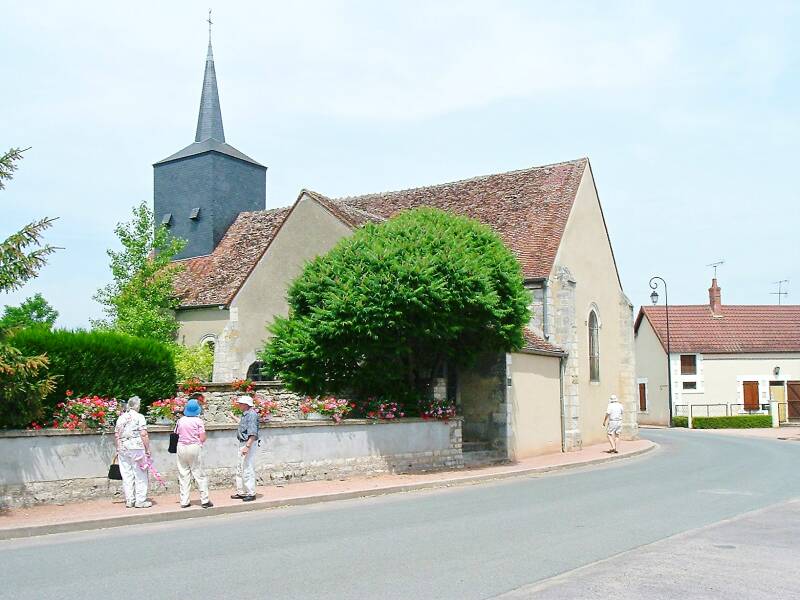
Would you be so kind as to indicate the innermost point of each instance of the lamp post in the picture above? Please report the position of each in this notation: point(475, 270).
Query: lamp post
point(654, 299)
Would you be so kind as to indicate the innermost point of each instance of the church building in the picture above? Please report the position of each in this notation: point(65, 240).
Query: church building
point(549, 396)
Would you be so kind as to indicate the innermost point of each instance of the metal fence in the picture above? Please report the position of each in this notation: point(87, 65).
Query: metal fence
point(721, 410)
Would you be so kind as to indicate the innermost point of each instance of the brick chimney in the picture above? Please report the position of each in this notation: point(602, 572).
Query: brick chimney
point(715, 298)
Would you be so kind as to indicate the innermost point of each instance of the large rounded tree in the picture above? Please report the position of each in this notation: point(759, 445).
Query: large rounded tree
point(381, 312)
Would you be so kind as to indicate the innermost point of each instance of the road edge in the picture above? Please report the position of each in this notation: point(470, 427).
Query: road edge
point(148, 518)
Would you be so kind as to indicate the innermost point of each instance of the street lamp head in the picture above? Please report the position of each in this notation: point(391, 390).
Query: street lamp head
point(654, 297)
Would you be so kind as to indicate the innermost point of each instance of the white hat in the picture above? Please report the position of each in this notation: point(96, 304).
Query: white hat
point(245, 400)
point(613, 398)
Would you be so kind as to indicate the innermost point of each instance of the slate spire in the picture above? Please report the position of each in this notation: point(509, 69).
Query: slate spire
point(209, 121)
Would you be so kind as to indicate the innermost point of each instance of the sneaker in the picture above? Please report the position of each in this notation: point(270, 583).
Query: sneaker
point(145, 504)
point(237, 496)
point(208, 504)
point(186, 505)
point(128, 504)
point(248, 498)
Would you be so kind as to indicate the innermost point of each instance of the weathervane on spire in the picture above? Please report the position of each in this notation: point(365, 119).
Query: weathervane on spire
point(210, 23)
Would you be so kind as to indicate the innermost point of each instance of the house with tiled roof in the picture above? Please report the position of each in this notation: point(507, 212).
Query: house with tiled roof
point(723, 359)
point(550, 395)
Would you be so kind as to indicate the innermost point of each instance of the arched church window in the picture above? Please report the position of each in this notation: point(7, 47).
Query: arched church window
point(594, 347)
point(209, 341)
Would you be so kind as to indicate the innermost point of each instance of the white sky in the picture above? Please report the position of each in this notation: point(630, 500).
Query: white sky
point(688, 112)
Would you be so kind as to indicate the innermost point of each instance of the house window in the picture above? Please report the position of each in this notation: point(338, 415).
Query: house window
point(690, 385)
point(642, 397)
point(688, 364)
point(594, 348)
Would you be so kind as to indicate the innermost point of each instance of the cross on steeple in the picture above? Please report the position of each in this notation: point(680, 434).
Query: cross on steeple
point(209, 121)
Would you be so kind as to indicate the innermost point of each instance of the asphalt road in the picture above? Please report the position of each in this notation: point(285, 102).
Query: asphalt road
point(464, 542)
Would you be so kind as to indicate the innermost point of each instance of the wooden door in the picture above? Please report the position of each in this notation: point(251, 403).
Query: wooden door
point(793, 399)
point(643, 397)
point(751, 395)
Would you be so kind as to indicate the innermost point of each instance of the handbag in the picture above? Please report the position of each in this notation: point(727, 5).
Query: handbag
point(113, 470)
point(173, 441)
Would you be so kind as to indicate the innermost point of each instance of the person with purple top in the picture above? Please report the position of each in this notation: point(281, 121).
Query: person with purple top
point(191, 436)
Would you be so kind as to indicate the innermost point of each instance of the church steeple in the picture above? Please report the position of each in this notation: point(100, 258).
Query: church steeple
point(209, 121)
point(200, 190)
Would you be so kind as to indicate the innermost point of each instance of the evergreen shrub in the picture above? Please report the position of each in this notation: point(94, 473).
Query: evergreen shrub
point(103, 363)
point(680, 421)
point(733, 422)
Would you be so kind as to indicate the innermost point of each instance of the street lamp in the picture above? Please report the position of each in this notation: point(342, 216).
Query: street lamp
point(654, 299)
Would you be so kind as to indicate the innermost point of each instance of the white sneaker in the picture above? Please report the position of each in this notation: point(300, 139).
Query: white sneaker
point(129, 504)
point(145, 504)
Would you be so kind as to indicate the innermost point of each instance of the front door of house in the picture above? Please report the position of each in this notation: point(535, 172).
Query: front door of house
point(750, 389)
point(793, 399)
point(777, 393)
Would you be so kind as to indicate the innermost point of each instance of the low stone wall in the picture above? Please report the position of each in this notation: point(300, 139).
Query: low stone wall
point(57, 466)
point(219, 396)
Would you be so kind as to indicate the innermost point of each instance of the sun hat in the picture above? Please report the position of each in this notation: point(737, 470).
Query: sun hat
point(245, 400)
point(613, 398)
point(192, 408)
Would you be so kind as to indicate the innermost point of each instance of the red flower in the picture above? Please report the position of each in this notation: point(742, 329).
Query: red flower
point(69, 393)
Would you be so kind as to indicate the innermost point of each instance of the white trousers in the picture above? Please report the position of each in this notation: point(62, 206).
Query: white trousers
point(190, 465)
point(246, 472)
point(134, 479)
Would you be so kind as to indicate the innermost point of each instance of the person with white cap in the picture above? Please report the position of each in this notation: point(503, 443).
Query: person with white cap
point(191, 436)
point(247, 434)
point(613, 422)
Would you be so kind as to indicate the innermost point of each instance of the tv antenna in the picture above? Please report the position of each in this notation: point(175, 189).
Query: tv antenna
point(715, 265)
point(780, 293)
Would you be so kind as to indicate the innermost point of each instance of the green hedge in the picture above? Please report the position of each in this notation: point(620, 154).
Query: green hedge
point(735, 422)
point(105, 363)
point(680, 421)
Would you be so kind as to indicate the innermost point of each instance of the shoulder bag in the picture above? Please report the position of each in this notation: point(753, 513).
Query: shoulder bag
point(113, 470)
point(173, 441)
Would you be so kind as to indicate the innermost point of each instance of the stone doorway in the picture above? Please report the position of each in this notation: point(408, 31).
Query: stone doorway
point(482, 404)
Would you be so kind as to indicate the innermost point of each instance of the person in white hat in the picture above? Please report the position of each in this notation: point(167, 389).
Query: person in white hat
point(247, 434)
point(613, 422)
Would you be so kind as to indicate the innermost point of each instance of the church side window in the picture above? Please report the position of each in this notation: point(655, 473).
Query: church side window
point(594, 347)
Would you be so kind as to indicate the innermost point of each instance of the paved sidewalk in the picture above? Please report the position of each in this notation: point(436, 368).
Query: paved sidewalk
point(99, 514)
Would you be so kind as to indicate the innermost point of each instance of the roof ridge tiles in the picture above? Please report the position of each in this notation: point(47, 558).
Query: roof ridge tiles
point(575, 162)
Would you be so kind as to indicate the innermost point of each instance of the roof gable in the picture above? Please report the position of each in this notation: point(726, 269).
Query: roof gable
point(215, 278)
point(528, 208)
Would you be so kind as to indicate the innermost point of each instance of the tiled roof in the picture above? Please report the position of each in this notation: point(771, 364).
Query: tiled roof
point(527, 208)
point(536, 345)
point(741, 328)
point(215, 278)
point(350, 215)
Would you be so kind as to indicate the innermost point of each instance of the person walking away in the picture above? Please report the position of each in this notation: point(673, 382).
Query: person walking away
point(613, 422)
point(191, 436)
point(133, 449)
point(247, 434)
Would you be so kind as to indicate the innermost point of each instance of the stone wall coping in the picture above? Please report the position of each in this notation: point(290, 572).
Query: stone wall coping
point(227, 386)
point(13, 433)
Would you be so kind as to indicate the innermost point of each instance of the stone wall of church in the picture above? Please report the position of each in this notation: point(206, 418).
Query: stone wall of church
point(628, 394)
point(565, 336)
